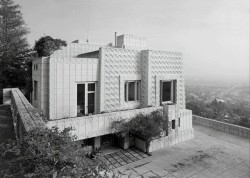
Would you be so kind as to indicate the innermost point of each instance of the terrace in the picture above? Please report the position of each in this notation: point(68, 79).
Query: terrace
point(217, 150)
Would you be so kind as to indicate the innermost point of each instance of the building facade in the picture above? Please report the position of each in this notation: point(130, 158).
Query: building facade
point(87, 86)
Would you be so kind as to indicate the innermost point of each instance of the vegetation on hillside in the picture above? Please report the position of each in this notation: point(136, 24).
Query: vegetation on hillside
point(47, 152)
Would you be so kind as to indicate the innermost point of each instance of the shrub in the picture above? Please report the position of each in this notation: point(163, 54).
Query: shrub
point(147, 126)
point(47, 152)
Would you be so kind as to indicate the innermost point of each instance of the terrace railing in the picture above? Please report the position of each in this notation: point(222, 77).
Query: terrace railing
point(25, 116)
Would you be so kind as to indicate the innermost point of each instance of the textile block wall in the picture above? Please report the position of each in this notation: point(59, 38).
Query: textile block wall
point(65, 74)
point(118, 65)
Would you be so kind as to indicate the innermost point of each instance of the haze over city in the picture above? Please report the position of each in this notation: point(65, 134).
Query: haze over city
point(213, 35)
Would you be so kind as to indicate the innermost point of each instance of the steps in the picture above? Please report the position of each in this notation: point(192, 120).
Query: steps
point(6, 124)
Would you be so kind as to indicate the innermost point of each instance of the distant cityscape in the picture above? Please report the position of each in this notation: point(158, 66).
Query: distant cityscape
point(224, 101)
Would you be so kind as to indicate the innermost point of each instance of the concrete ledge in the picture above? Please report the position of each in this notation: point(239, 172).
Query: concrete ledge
point(222, 126)
point(164, 142)
point(97, 125)
point(25, 117)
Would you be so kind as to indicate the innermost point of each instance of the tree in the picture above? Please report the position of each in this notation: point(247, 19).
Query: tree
point(46, 45)
point(13, 45)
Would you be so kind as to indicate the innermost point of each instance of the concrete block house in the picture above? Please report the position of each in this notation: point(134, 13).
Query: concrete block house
point(88, 86)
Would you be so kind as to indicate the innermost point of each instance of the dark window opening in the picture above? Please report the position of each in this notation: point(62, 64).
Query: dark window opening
point(173, 124)
point(168, 91)
point(91, 87)
point(35, 90)
point(80, 99)
point(179, 121)
point(132, 91)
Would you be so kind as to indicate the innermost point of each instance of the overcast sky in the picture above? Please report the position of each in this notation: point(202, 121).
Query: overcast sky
point(212, 34)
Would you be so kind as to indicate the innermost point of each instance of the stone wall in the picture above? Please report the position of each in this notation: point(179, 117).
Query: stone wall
point(25, 117)
point(222, 126)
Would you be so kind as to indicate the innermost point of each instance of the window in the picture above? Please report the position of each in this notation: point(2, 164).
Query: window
point(168, 91)
point(86, 98)
point(132, 91)
point(173, 124)
point(179, 121)
point(35, 90)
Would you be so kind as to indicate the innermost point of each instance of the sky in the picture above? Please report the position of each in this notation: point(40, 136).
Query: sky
point(212, 34)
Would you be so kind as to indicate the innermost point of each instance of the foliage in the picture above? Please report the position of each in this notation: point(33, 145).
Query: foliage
point(13, 45)
point(146, 126)
point(226, 112)
point(46, 45)
point(47, 152)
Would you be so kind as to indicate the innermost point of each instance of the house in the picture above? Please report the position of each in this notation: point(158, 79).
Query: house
point(87, 86)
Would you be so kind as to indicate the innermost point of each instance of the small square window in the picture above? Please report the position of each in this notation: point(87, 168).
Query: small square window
point(168, 91)
point(132, 91)
point(91, 87)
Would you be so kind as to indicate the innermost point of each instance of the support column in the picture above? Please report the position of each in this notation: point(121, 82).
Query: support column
point(97, 143)
point(126, 142)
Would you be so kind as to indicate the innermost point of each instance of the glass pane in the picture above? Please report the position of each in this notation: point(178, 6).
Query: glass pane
point(138, 90)
point(91, 103)
point(131, 91)
point(166, 93)
point(125, 91)
point(80, 98)
point(91, 87)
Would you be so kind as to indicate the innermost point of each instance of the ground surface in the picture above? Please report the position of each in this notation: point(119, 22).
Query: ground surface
point(6, 124)
point(210, 154)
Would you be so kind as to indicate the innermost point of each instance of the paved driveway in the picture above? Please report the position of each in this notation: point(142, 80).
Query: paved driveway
point(210, 154)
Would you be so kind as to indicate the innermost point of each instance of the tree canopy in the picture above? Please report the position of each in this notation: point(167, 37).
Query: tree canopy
point(13, 45)
point(46, 45)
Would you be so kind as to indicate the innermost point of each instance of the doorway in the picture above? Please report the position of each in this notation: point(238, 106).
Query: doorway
point(86, 98)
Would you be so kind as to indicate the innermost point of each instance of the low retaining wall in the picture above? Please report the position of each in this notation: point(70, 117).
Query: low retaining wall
point(222, 126)
point(164, 142)
point(25, 117)
point(97, 125)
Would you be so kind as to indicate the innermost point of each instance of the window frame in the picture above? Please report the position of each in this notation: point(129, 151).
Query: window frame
point(137, 90)
point(173, 93)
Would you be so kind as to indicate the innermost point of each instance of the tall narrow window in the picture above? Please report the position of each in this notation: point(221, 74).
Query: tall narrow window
point(132, 91)
point(168, 91)
point(173, 124)
point(138, 89)
point(125, 91)
point(35, 90)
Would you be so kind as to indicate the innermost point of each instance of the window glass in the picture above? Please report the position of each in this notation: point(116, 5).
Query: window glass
point(91, 87)
point(131, 91)
point(35, 90)
point(138, 90)
point(173, 124)
point(166, 93)
point(80, 98)
point(125, 91)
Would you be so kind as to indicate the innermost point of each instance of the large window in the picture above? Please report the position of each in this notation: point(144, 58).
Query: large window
point(168, 91)
point(132, 91)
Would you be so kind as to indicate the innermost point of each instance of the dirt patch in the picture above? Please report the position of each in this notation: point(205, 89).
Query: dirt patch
point(200, 157)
